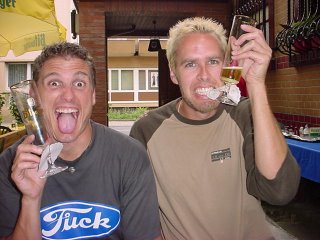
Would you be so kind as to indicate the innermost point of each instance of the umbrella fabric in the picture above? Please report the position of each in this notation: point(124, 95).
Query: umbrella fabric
point(27, 26)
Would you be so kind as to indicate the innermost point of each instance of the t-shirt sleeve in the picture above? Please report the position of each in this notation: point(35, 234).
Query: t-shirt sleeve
point(282, 188)
point(138, 133)
point(277, 191)
point(140, 214)
point(9, 195)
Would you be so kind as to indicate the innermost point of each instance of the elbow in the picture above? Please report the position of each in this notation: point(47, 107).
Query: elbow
point(285, 195)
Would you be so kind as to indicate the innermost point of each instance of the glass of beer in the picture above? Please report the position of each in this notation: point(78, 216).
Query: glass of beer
point(232, 69)
point(28, 102)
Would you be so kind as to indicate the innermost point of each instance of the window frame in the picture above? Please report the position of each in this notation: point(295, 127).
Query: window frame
point(136, 81)
point(264, 5)
point(29, 72)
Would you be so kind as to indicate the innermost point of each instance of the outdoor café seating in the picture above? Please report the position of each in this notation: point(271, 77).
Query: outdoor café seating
point(9, 136)
point(4, 130)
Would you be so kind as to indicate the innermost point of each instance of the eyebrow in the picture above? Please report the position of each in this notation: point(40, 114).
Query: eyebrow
point(195, 59)
point(215, 57)
point(188, 60)
point(79, 73)
point(49, 75)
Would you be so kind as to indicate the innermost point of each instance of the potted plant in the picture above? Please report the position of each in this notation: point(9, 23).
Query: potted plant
point(2, 101)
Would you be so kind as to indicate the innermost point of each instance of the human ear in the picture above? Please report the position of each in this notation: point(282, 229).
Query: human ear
point(173, 77)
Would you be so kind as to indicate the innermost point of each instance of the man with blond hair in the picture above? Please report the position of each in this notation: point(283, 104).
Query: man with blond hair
point(214, 163)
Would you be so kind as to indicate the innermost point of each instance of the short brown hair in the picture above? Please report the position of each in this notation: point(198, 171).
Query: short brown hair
point(64, 49)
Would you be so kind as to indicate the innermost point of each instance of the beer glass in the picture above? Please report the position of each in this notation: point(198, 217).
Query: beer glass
point(28, 102)
point(232, 69)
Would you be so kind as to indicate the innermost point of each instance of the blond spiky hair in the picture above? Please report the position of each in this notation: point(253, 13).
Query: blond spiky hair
point(193, 25)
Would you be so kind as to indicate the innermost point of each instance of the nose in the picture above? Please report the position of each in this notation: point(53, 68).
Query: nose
point(203, 74)
point(219, 80)
point(207, 74)
point(67, 93)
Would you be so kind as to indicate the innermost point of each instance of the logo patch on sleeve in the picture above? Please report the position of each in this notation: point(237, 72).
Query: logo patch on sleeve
point(220, 155)
point(78, 220)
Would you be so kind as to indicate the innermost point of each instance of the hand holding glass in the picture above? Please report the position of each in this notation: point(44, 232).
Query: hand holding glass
point(28, 102)
point(231, 69)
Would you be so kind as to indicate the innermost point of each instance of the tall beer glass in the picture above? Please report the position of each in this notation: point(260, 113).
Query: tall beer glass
point(28, 102)
point(231, 70)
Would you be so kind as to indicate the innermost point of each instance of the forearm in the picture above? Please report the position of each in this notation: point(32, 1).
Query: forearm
point(269, 143)
point(28, 224)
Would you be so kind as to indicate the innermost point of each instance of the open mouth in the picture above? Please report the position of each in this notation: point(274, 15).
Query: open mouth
point(72, 111)
point(204, 91)
point(67, 119)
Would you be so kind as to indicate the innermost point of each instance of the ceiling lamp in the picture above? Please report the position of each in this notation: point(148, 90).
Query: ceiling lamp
point(154, 44)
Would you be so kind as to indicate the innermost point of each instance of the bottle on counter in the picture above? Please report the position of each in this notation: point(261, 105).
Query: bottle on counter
point(301, 131)
point(306, 132)
point(291, 132)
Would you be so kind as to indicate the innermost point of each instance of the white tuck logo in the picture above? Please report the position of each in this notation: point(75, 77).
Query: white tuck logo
point(76, 220)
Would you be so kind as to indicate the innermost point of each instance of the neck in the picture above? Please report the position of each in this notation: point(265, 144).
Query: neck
point(73, 150)
point(179, 106)
point(193, 114)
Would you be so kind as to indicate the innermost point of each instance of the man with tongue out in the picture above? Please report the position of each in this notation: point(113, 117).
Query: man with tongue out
point(109, 190)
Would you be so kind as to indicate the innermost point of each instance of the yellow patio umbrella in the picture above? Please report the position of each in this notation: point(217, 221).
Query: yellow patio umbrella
point(27, 26)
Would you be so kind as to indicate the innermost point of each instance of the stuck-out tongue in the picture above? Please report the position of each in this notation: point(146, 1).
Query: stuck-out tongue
point(66, 122)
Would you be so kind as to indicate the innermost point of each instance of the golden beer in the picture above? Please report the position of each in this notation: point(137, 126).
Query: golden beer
point(231, 74)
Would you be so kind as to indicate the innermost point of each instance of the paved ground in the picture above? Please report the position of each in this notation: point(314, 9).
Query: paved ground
point(121, 126)
point(299, 220)
point(301, 217)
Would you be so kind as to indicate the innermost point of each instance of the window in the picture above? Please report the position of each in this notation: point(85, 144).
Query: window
point(18, 72)
point(262, 17)
point(142, 80)
point(114, 80)
point(133, 79)
point(262, 12)
point(153, 80)
point(126, 79)
point(127, 86)
point(120, 80)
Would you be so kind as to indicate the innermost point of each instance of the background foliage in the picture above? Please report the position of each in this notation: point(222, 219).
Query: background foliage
point(126, 113)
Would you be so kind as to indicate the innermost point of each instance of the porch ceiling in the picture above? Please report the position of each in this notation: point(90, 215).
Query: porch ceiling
point(135, 24)
point(140, 24)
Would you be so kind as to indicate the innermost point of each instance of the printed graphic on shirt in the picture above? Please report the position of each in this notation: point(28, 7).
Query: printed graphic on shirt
point(220, 154)
point(78, 220)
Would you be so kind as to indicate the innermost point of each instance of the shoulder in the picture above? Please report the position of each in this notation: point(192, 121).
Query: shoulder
point(241, 115)
point(241, 112)
point(158, 114)
point(7, 156)
point(144, 127)
point(243, 106)
point(111, 136)
point(116, 142)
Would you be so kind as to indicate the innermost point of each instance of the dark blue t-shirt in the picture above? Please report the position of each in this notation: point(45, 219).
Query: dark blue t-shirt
point(108, 193)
